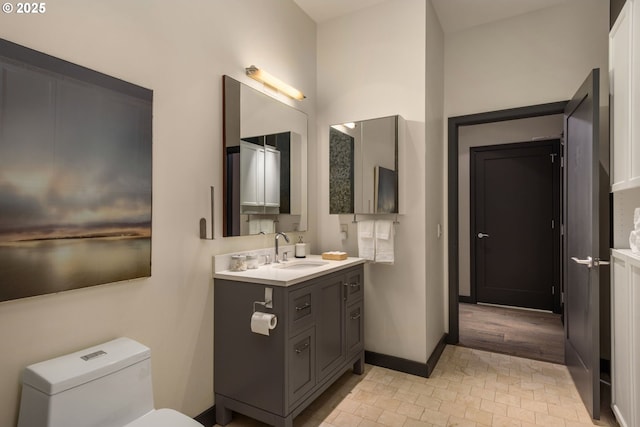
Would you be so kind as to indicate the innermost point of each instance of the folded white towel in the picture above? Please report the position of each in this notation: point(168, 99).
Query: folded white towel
point(366, 242)
point(385, 250)
point(634, 241)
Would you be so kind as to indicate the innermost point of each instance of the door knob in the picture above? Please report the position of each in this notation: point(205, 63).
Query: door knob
point(482, 235)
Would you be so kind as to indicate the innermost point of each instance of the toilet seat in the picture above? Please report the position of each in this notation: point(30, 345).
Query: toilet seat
point(164, 418)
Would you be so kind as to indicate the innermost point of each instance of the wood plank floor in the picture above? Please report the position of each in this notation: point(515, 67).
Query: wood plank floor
point(523, 333)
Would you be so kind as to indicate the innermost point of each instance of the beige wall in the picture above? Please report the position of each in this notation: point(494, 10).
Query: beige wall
point(180, 50)
point(371, 64)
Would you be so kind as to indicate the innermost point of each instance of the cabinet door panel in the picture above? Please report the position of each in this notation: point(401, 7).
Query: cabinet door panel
point(621, 339)
point(355, 328)
point(330, 325)
point(302, 375)
point(620, 82)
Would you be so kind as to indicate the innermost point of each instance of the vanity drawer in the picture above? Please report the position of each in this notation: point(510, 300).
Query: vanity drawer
point(301, 309)
point(353, 281)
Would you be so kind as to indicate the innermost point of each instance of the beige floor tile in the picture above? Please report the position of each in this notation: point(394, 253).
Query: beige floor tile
point(369, 423)
point(521, 414)
point(494, 407)
point(345, 419)
point(385, 390)
point(392, 419)
point(406, 396)
point(534, 405)
point(426, 389)
point(368, 412)
point(410, 410)
point(348, 405)
point(479, 416)
point(444, 395)
point(569, 414)
point(435, 417)
point(483, 393)
point(461, 422)
point(503, 421)
point(416, 423)
point(508, 399)
point(549, 420)
point(428, 402)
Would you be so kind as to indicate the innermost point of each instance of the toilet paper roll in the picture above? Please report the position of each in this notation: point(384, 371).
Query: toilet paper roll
point(262, 323)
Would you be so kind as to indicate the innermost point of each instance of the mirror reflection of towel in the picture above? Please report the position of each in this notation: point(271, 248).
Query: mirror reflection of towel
point(366, 241)
point(384, 242)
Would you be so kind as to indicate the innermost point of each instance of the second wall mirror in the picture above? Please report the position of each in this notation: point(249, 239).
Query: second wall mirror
point(363, 165)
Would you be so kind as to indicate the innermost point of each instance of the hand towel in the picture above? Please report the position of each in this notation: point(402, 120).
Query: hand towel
point(366, 241)
point(384, 242)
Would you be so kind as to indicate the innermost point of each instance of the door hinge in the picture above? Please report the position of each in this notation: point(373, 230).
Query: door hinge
point(561, 297)
point(553, 224)
point(562, 229)
point(553, 157)
point(553, 290)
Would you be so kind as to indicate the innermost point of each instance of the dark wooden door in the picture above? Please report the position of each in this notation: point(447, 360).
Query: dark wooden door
point(515, 208)
point(581, 263)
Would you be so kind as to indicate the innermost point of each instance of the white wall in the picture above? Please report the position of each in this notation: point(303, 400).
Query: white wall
point(437, 313)
point(523, 130)
point(180, 50)
point(538, 57)
point(372, 63)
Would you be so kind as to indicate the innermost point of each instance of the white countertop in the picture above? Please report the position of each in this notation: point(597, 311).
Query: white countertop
point(274, 274)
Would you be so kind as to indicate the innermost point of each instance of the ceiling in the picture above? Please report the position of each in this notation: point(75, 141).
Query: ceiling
point(454, 15)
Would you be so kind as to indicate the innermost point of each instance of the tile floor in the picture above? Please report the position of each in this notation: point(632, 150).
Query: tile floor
point(467, 388)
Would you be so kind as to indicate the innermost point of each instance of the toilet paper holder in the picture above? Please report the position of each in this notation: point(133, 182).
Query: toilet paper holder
point(268, 299)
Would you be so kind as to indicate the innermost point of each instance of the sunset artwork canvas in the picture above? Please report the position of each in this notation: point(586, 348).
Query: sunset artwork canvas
point(75, 177)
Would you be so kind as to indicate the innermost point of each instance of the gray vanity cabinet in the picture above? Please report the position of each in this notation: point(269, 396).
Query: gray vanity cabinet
point(318, 337)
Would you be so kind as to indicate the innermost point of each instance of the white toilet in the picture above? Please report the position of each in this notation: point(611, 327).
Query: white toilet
point(108, 385)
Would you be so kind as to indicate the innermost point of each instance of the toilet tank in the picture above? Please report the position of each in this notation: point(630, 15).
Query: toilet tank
point(108, 385)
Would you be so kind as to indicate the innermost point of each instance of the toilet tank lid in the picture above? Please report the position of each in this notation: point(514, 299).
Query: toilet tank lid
point(71, 370)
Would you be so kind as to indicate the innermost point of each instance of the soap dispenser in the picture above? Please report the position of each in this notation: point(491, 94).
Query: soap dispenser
point(301, 248)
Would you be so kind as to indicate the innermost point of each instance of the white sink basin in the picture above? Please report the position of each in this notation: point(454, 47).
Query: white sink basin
point(300, 265)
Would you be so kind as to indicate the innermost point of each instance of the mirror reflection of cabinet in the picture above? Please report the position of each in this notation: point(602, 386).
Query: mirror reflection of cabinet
point(363, 163)
point(265, 179)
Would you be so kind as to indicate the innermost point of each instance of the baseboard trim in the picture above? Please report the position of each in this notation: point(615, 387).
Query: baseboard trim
point(405, 365)
point(466, 299)
point(435, 355)
point(396, 363)
point(208, 417)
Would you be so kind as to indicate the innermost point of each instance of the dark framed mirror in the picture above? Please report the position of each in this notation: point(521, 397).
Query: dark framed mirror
point(265, 163)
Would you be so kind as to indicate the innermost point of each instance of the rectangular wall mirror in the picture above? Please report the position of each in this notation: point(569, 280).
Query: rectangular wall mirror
point(363, 166)
point(265, 163)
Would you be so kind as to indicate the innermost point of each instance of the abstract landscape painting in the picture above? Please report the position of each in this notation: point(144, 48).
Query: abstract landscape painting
point(75, 182)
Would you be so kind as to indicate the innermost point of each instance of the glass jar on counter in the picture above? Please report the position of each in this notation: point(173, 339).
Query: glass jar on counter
point(238, 263)
point(252, 261)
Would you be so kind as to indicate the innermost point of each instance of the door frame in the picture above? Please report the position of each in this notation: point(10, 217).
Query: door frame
point(454, 123)
point(554, 143)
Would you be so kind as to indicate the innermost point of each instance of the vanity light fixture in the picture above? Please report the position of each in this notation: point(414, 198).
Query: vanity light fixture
point(266, 78)
point(350, 125)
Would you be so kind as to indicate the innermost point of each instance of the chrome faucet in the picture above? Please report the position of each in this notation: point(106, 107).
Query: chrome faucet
point(278, 234)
